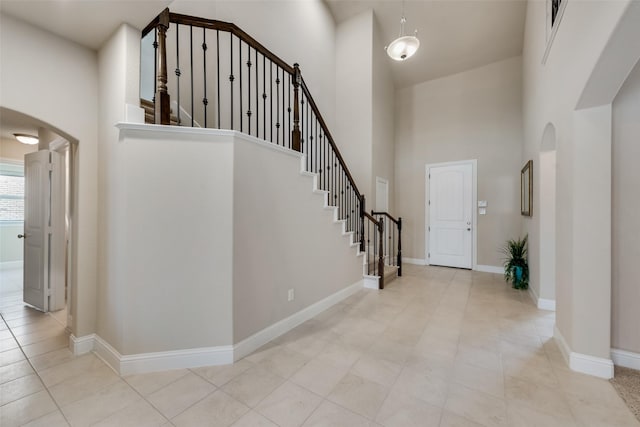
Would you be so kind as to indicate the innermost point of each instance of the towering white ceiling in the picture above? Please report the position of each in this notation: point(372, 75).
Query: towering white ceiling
point(455, 35)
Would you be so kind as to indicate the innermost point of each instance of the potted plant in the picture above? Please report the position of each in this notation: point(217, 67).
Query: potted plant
point(516, 269)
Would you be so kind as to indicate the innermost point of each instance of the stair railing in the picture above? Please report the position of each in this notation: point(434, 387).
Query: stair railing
point(374, 249)
point(234, 82)
point(392, 238)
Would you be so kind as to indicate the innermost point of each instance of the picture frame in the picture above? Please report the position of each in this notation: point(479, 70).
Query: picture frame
point(526, 189)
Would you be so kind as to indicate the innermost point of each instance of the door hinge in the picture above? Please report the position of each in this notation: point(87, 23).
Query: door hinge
point(429, 255)
point(429, 228)
point(429, 202)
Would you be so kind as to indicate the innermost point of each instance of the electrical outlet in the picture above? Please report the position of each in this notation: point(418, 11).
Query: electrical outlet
point(291, 296)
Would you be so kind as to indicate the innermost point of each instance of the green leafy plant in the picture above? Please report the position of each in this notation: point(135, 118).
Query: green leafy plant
point(516, 269)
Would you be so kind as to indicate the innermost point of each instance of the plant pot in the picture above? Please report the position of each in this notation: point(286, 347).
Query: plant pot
point(517, 276)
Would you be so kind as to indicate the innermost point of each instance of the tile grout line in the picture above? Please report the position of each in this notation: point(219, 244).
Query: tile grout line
point(37, 375)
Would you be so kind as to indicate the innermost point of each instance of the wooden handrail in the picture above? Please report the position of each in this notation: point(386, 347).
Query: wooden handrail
point(372, 219)
point(385, 214)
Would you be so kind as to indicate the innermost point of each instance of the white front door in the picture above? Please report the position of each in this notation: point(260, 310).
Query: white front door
point(450, 215)
point(42, 185)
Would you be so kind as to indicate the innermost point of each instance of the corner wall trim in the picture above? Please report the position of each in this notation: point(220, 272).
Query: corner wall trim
point(542, 303)
point(257, 340)
point(626, 359)
point(489, 269)
point(415, 261)
point(584, 363)
point(81, 345)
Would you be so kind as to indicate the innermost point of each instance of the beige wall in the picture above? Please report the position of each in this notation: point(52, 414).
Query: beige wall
point(118, 59)
point(282, 239)
point(471, 115)
point(172, 241)
point(383, 117)
point(12, 149)
point(582, 69)
point(625, 207)
point(273, 23)
point(258, 231)
point(354, 101)
point(64, 99)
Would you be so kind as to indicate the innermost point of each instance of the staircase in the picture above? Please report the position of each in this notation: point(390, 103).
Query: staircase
point(260, 95)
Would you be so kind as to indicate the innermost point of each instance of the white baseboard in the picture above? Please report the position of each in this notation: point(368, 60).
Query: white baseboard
point(626, 359)
point(257, 340)
point(415, 261)
point(583, 363)
point(81, 345)
point(204, 356)
point(489, 269)
point(371, 282)
point(547, 304)
point(542, 303)
point(10, 265)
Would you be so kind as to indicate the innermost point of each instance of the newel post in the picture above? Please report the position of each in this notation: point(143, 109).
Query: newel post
point(162, 107)
point(399, 247)
point(295, 133)
point(362, 211)
point(381, 253)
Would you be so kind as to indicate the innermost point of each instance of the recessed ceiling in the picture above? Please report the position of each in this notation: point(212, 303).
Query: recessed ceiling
point(455, 35)
point(88, 23)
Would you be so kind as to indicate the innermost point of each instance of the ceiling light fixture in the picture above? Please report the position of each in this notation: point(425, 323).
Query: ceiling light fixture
point(26, 139)
point(404, 46)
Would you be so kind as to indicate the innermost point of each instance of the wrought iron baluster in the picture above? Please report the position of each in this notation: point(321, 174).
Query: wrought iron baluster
point(231, 77)
point(240, 75)
point(218, 74)
point(278, 106)
point(191, 59)
point(205, 101)
point(178, 72)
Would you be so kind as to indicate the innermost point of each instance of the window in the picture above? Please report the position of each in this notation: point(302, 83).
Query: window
point(11, 192)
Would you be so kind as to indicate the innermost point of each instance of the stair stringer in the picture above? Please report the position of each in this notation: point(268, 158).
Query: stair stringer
point(325, 194)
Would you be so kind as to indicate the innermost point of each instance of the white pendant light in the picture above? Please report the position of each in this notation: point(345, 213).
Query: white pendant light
point(404, 46)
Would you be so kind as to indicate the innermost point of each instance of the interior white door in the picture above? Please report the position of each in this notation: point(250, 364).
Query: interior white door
point(382, 195)
point(451, 215)
point(41, 170)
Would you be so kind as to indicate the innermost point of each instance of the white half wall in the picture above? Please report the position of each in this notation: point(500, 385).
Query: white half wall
point(213, 229)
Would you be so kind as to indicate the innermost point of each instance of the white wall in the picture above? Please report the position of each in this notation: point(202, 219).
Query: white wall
point(55, 81)
point(296, 31)
point(625, 225)
point(283, 239)
point(472, 115)
point(173, 240)
point(354, 101)
point(552, 92)
point(118, 61)
point(213, 230)
point(383, 117)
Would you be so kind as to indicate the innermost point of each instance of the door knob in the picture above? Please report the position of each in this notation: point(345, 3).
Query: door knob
point(22, 236)
point(468, 229)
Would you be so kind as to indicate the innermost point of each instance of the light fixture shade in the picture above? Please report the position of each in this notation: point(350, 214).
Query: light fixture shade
point(403, 48)
point(26, 139)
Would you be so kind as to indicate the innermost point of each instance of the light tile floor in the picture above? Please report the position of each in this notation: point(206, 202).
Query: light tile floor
point(438, 347)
